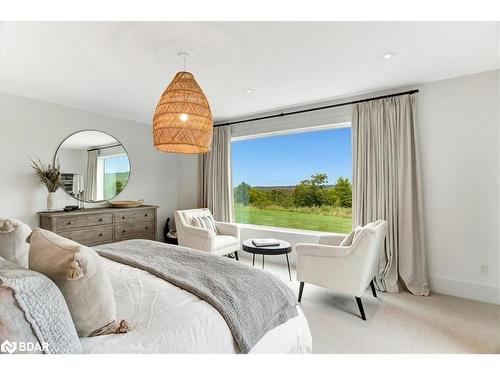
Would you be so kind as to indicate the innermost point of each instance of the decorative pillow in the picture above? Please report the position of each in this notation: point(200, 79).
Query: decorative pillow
point(206, 222)
point(34, 317)
point(13, 246)
point(350, 238)
point(82, 278)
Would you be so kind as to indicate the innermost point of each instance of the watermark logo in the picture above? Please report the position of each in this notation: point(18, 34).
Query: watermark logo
point(8, 347)
point(23, 346)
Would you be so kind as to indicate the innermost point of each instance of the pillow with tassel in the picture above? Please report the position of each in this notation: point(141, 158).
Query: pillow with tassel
point(13, 246)
point(82, 278)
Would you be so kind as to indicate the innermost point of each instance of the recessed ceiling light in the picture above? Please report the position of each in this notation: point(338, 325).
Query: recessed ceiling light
point(248, 91)
point(389, 55)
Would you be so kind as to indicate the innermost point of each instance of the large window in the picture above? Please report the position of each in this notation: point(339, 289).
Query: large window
point(296, 180)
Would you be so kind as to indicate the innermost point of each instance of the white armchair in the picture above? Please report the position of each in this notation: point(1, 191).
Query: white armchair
point(226, 242)
point(345, 269)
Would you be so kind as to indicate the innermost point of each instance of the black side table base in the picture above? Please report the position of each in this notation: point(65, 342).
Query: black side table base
point(283, 248)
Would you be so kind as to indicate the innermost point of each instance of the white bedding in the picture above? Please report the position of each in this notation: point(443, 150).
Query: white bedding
point(168, 319)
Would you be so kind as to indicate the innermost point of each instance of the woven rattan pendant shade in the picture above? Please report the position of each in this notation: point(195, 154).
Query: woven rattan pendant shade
point(183, 121)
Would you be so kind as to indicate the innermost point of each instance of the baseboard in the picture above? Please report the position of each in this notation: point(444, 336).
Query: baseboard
point(466, 289)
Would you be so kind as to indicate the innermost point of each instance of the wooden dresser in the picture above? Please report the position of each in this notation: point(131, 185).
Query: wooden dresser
point(94, 226)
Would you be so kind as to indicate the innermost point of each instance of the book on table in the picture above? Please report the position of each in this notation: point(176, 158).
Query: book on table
point(263, 242)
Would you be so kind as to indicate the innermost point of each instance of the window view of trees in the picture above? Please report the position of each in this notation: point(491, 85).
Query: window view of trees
point(298, 180)
point(311, 204)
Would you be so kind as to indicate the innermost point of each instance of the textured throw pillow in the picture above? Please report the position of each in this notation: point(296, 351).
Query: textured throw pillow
point(350, 238)
point(13, 246)
point(82, 278)
point(34, 317)
point(206, 222)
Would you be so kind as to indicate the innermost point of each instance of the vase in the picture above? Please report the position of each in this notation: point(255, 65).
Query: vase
point(51, 202)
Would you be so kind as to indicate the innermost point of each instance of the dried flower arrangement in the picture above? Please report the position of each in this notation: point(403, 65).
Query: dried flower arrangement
point(50, 176)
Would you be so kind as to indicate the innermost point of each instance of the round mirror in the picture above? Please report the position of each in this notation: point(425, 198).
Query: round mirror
point(94, 166)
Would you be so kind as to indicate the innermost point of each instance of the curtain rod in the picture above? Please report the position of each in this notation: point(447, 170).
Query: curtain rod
point(104, 147)
point(283, 114)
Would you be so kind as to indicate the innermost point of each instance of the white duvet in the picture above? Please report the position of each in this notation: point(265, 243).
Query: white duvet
point(168, 319)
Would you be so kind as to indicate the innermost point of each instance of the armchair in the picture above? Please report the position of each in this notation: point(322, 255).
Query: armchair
point(226, 242)
point(345, 269)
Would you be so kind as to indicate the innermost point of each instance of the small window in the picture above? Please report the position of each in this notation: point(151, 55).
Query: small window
point(296, 180)
point(114, 172)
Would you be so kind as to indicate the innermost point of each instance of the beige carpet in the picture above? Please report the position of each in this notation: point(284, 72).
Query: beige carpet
point(396, 323)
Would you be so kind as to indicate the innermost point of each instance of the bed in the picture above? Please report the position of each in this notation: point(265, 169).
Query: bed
point(167, 319)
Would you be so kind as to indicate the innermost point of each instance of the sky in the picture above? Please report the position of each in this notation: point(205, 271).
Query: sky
point(288, 159)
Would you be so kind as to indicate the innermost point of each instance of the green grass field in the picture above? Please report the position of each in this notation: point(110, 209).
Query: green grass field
point(287, 219)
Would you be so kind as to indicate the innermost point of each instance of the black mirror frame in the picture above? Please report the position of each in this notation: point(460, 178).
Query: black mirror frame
point(112, 136)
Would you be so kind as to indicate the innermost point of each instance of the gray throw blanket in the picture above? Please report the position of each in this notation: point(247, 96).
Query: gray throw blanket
point(44, 312)
point(252, 302)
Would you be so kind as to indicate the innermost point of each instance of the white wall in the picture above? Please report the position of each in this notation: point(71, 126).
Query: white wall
point(72, 160)
point(31, 129)
point(459, 136)
point(189, 182)
point(459, 142)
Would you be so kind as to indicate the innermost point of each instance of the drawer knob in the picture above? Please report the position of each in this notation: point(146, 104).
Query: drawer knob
point(69, 223)
point(100, 219)
point(146, 215)
point(145, 227)
point(123, 217)
point(123, 231)
point(100, 234)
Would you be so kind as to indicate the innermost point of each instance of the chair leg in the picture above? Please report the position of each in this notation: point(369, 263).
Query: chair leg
point(288, 265)
point(236, 255)
point(301, 289)
point(374, 291)
point(360, 306)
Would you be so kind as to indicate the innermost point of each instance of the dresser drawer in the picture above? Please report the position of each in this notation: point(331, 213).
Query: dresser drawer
point(142, 229)
point(134, 215)
point(90, 236)
point(83, 220)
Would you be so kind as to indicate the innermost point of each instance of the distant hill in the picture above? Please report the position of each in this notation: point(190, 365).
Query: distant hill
point(284, 187)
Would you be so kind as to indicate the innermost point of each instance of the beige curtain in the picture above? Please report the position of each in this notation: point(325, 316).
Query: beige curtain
point(90, 190)
point(217, 186)
point(386, 185)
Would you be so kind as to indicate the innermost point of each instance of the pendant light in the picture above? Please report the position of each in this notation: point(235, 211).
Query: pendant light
point(182, 122)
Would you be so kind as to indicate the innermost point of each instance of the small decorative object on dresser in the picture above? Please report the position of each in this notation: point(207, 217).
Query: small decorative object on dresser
point(94, 226)
point(50, 176)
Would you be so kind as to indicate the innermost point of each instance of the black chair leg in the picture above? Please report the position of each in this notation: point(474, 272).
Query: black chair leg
point(236, 255)
point(301, 289)
point(360, 306)
point(288, 265)
point(374, 291)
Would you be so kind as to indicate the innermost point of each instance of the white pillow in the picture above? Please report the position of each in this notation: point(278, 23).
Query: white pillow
point(206, 222)
point(13, 246)
point(350, 238)
point(81, 276)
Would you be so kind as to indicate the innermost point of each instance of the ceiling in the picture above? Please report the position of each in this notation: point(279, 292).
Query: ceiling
point(88, 138)
point(121, 68)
